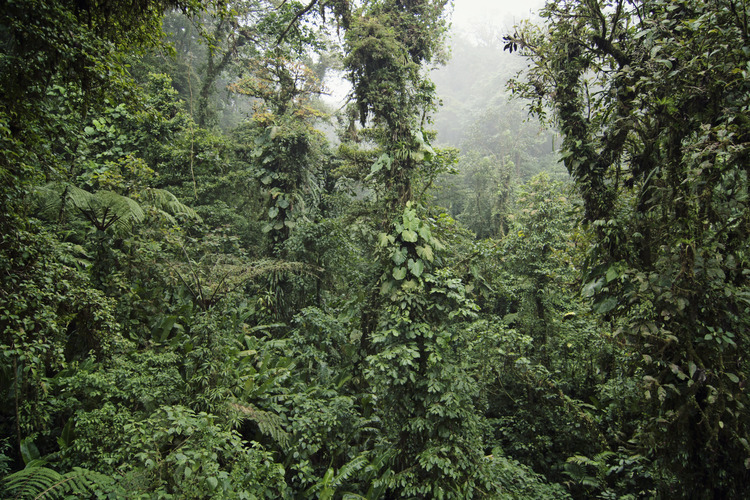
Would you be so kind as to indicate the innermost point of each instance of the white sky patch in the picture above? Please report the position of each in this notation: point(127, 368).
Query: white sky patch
point(337, 89)
point(503, 14)
point(487, 21)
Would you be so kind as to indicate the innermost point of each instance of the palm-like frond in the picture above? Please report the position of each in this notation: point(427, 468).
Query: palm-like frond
point(209, 282)
point(106, 210)
point(44, 483)
point(54, 199)
point(331, 481)
point(168, 204)
point(268, 422)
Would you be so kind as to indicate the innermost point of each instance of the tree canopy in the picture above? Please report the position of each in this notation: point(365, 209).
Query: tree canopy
point(213, 284)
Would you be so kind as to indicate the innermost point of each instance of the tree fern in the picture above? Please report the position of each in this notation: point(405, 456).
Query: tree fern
point(44, 483)
point(168, 204)
point(209, 281)
point(579, 468)
point(268, 422)
point(55, 199)
point(345, 472)
point(106, 210)
point(331, 481)
point(103, 209)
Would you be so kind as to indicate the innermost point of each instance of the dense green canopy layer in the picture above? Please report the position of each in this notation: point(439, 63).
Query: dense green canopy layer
point(213, 284)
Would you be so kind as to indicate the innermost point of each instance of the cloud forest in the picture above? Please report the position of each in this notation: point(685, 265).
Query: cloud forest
point(513, 264)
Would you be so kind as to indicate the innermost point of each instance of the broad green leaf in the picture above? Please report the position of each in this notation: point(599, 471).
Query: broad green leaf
point(611, 274)
point(382, 239)
point(399, 273)
point(161, 332)
point(606, 305)
point(409, 235)
point(387, 287)
point(384, 161)
point(29, 450)
point(410, 221)
point(425, 252)
point(593, 286)
point(68, 433)
point(409, 285)
point(399, 256)
point(416, 267)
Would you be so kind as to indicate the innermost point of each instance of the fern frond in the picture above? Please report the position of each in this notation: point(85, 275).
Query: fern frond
point(115, 210)
point(55, 198)
point(349, 469)
point(169, 204)
point(582, 460)
point(268, 422)
point(604, 456)
point(267, 267)
point(76, 196)
point(48, 201)
point(44, 483)
point(104, 209)
point(331, 482)
point(228, 273)
point(29, 482)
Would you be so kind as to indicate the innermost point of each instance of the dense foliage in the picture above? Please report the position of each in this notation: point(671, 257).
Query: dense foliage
point(213, 286)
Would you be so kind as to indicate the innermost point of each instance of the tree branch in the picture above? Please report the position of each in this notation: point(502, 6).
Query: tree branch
point(297, 17)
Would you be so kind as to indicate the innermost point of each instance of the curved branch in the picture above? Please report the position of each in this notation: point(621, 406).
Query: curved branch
point(297, 17)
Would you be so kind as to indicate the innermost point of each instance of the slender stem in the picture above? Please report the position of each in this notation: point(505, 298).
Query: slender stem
point(192, 120)
point(18, 415)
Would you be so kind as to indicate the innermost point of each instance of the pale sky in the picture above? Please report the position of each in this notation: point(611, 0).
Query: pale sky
point(501, 14)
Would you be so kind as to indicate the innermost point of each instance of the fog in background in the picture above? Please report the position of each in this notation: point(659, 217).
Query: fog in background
point(500, 145)
point(480, 22)
point(477, 113)
point(470, 15)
